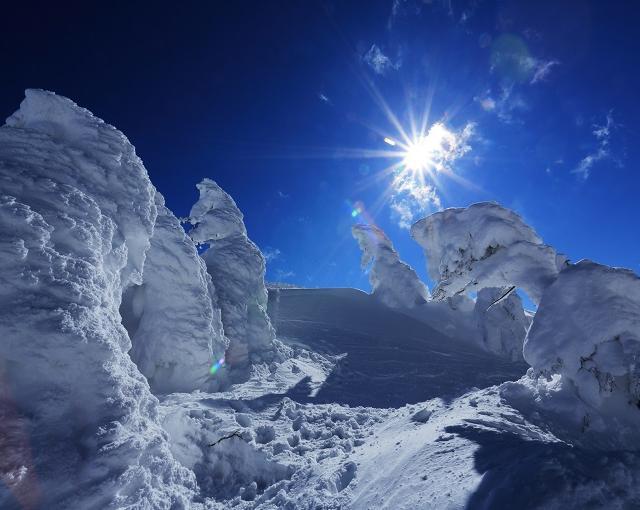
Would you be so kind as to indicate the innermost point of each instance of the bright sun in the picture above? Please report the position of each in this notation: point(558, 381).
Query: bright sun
point(430, 151)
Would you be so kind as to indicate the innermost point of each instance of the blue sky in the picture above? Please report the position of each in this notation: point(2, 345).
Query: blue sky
point(282, 103)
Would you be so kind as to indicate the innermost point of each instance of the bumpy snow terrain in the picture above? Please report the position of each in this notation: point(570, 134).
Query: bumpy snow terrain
point(137, 373)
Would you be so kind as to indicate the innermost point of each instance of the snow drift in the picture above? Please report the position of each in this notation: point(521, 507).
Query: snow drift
point(393, 282)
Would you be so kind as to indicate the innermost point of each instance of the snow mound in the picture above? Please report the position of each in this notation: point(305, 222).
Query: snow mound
point(237, 268)
point(77, 212)
point(587, 329)
point(485, 245)
point(172, 318)
point(393, 282)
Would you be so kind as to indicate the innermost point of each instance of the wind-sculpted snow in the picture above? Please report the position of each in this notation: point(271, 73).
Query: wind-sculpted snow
point(485, 245)
point(77, 211)
point(587, 329)
point(393, 282)
point(172, 318)
point(237, 268)
point(502, 321)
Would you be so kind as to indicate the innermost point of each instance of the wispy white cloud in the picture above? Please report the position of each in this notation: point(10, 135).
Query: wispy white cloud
point(284, 275)
point(282, 194)
point(602, 151)
point(379, 62)
point(505, 105)
point(542, 69)
point(270, 254)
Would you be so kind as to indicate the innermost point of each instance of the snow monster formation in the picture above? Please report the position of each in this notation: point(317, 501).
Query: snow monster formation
point(77, 215)
point(587, 327)
point(237, 268)
point(173, 318)
point(485, 245)
point(393, 282)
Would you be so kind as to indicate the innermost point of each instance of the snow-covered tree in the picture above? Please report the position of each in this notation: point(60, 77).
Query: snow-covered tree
point(77, 213)
point(393, 282)
point(485, 245)
point(237, 268)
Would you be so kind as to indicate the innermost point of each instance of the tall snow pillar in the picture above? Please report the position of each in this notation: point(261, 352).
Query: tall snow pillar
point(237, 268)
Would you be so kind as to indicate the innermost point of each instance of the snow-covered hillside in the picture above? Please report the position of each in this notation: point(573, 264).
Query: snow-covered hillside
point(137, 373)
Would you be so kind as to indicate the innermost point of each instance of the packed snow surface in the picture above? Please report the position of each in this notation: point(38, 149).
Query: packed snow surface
point(110, 320)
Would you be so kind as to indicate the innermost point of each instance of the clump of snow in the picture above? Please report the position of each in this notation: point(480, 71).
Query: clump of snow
point(237, 268)
point(502, 321)
point(393, 282)
point(77, 212)
point(172, 318)
point(485, 245)
point(587, 328)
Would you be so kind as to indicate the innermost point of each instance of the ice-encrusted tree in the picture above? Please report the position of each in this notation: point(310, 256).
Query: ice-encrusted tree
point(237, 268)
point(587, 325)
point(485, 245)
point(587, 328)
point(173, 317)
point(502, 321)
point(77, 213)
point(393, 282)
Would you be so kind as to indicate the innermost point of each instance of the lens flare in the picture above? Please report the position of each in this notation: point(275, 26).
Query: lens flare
point(217, 366)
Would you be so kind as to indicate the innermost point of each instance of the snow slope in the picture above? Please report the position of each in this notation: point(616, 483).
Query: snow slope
point(388, 358)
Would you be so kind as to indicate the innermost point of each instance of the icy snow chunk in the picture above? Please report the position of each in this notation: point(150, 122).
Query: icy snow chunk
point(502, 321)
point(178, 328)
point(77, 212)
point(587, 328)
point(485, 245)
point(237, 269)
point(393, 282)
point(422, 416)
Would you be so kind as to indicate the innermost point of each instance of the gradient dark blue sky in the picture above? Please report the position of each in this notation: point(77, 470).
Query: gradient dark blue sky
point(262, 97)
